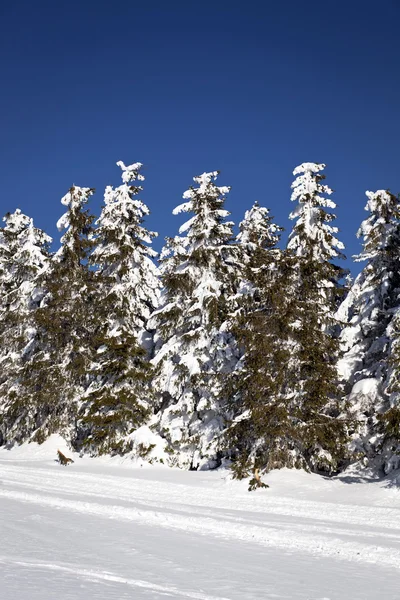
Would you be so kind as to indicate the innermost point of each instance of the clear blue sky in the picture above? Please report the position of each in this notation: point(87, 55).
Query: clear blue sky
point(250, 88)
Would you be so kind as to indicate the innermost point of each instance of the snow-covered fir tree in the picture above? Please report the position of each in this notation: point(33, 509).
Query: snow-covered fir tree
point(55, 372)
point(24, 252)
point(370, 366)
point(254, 388)
point(123, 250)
point(312, 398)
point(117, 400)
point(257, 235)
point(195, 351)
point(285, 392)
point(257, 230)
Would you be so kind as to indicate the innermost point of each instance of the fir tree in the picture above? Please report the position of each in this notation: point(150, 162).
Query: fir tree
point(24, 252)
point(317, 289)
point(54, 376)
point(370, 337)
point(194, 350)
point(259, 422)
point(283, 401)
point(117, 400)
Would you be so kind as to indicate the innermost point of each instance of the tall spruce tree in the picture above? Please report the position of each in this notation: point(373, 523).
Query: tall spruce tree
point(317, 289)
point(55, 373)
point(24, 252)
point(195, 350)
point(370, 366)
point(284, 400)
point(255, 389)
point(118, 398)
point(285, 408)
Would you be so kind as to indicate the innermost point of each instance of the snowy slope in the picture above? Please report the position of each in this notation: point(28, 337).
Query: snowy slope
point(104, 529)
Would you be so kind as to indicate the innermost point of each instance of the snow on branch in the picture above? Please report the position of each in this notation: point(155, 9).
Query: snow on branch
point(307, 187)
point(130, 172)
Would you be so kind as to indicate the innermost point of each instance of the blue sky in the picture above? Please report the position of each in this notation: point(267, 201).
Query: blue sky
point(249, 88)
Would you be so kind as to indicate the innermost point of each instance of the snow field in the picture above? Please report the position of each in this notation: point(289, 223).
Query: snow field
point(105, 529)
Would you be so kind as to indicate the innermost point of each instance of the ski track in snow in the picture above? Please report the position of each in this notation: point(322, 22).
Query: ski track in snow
point(105, 576)
point(367, 534)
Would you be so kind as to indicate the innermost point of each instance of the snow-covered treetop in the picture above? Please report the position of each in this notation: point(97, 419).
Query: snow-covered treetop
point(311, 235)
point(379, 229)
point(123, 252)
point(120, 223)
point(16, 222)
point(75, 199)
point(204, 182)
point(307, 187)
point(131, 172)
point(206, 202)
point(78, 225)
point(309, 167)
point(206, 188)
point(27, 239)
point(24, 251)
point(199, 266)
point(379, 201)
point(120, 206)
point(257, 229)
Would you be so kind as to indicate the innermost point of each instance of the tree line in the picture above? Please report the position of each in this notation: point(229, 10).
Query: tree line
point(229, 349)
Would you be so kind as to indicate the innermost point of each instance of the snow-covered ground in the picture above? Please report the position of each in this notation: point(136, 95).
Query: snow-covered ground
point(104, 529)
